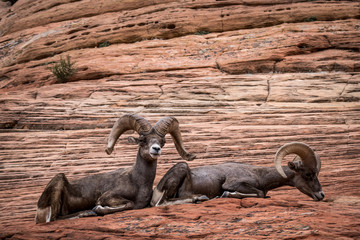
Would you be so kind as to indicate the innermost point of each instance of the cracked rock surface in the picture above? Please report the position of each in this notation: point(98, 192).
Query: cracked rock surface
point(242, 77)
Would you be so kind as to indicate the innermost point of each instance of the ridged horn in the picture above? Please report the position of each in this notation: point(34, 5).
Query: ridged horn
point(171, 125)
point(123, 124)
point(308, 156)
point(318, 163)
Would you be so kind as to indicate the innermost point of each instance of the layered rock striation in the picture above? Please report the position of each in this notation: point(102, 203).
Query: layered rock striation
point(242, 77)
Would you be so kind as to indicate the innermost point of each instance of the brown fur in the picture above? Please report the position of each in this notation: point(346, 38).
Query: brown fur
point(119, 190)
point(183, 185)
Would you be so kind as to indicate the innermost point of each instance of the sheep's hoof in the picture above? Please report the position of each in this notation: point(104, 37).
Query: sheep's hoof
point(225, 194)
point(200, 199)
point(89, 213)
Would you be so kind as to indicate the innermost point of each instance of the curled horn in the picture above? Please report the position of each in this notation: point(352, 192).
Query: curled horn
point(123, 124)
point(171, 125)
point(308, 157)
point(318, 163)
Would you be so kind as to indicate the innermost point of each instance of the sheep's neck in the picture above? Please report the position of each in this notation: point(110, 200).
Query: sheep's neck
point(144, 171)
point(271, 179)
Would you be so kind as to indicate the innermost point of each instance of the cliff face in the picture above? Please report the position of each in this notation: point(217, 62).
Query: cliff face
point(242, 78)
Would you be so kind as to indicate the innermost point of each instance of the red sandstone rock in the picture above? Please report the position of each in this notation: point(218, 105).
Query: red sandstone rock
point(243, 78)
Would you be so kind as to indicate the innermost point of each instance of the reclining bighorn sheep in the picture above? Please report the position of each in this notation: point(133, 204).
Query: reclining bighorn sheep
point(184, 185)
point(122, 189)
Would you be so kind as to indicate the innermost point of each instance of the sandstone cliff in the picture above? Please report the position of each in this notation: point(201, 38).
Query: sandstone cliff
point(242, 77)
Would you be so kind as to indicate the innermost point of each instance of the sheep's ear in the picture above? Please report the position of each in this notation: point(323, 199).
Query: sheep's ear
point(295, 166)
point(292, 166)
point(133, 140)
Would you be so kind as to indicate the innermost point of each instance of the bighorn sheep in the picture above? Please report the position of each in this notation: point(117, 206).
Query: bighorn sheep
point(122, 189)
point(240, 180)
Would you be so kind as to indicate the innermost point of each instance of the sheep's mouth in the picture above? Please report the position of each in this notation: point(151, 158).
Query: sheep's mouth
point(155, 155)
point(318, 196)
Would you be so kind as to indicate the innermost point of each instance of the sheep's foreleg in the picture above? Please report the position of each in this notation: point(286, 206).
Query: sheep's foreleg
point(103, 210)
point(111, 202)
point(86, 213)
point(108, 203)
point(241, 189)
point(175, 201)
point(238, 195)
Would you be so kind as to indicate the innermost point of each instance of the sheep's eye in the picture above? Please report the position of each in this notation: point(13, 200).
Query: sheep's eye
point(308, 176)
point(142, 139)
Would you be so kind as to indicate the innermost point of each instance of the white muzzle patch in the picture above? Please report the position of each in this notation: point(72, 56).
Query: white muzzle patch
point(318, 196)
point(155, 151)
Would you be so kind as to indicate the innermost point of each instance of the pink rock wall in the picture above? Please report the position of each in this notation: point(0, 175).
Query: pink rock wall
point(242, 77)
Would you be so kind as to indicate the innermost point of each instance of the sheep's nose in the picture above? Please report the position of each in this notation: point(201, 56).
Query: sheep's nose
point(319, 196)
point(156, 148)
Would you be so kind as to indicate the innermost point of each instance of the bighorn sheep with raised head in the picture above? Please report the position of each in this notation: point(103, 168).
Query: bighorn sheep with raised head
point(122, 189)
point(240, 180)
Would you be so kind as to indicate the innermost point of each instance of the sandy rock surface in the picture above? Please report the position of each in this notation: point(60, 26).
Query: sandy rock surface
point(242, 78)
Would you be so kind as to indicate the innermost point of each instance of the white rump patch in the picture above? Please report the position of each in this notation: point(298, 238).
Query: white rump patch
point(48, 216)
point(43, 215)
point(157, 197)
